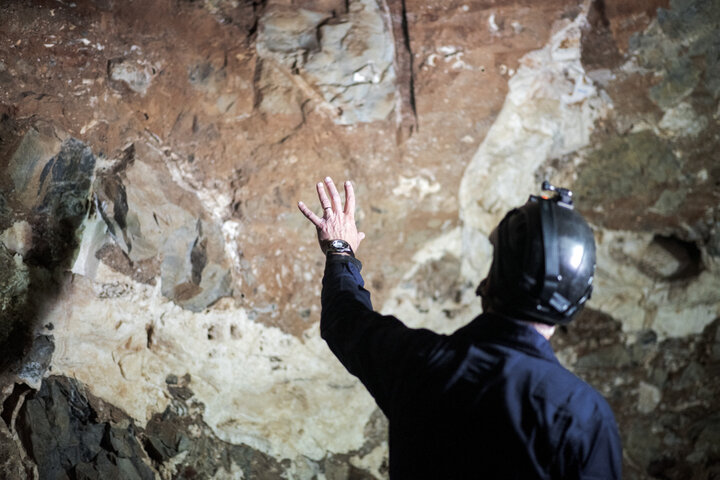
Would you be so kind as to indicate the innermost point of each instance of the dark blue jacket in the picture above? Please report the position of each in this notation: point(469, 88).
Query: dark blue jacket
point(490, 401)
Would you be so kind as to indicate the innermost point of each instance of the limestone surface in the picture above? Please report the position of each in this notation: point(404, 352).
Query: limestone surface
point(165, 288)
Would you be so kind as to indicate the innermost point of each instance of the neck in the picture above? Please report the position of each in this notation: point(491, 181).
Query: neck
point(543, 329)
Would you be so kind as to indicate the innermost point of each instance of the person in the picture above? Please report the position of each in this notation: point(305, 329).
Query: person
point(490, 401)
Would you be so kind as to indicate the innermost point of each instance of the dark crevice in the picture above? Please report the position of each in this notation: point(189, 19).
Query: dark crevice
point(406, 39)
point(198, 260)
point(257, 75)
point(149, 332)
point(601, 10)
point(598, 47)
point(257, 8)
point(12, 402)
point(686, 253)
point(407, 122)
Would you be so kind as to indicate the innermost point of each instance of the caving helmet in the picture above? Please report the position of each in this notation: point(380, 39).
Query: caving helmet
point(543, 260)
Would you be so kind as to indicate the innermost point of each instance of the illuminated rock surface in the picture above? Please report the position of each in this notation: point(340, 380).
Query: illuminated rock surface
point(160, 294)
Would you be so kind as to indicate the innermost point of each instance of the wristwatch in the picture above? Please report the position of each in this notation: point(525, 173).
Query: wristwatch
point(337, 246)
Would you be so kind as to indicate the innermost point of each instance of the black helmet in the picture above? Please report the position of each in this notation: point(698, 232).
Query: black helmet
point(543, 260)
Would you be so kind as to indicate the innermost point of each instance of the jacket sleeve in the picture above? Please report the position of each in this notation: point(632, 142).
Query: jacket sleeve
point(605, 457)
point(592, 448)
point(380, 350)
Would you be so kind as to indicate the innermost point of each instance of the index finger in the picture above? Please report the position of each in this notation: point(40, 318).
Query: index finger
point(349, 199)
point(317, 221)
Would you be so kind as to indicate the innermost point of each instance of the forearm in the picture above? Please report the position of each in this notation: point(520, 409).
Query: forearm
point(345, 304)
point(342, 278)
point(357, 335)
point(378, 349)
point(371, 346)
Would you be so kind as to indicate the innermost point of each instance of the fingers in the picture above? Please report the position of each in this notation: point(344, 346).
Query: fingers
point(334, 195)
point(317, 221)
point(324, 200)
point(349, 199)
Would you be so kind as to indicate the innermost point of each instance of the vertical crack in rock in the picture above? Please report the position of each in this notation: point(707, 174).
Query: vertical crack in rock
point(198, 259)
point(405, 111)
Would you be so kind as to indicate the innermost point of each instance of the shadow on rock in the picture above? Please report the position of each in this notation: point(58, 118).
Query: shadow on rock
point(44, 191)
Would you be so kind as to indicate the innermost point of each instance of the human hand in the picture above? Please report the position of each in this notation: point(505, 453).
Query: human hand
point(336, 222)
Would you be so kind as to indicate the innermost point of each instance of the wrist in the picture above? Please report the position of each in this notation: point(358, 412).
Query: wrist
point(335, 259)
point(336, 247)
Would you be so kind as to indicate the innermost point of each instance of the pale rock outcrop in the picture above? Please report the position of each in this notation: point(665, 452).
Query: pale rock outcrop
point(550, 110)
point(14, 283)
point(344, 64)
point(152, 220)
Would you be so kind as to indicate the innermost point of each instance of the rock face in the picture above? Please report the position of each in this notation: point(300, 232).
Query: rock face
point(343, 62)
point(13, 291)
point(159, 302)
point(61, 431)
point(152, 227)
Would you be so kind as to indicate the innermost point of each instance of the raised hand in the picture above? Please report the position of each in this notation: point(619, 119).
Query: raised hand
point(337, 222)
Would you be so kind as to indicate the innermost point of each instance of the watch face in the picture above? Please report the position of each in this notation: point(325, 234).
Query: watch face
point(339, 246)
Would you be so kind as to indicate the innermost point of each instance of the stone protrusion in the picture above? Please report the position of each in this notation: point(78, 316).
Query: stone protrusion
point(14, 283)
point(18, 238)
point(135, 75)
point(155, 231)
point(344, 64)
point(61, 431)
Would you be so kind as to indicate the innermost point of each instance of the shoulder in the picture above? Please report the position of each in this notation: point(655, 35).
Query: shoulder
point(568, 392)
point(588, 438)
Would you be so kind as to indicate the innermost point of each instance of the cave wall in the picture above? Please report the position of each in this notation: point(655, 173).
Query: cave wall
point(160, 301)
